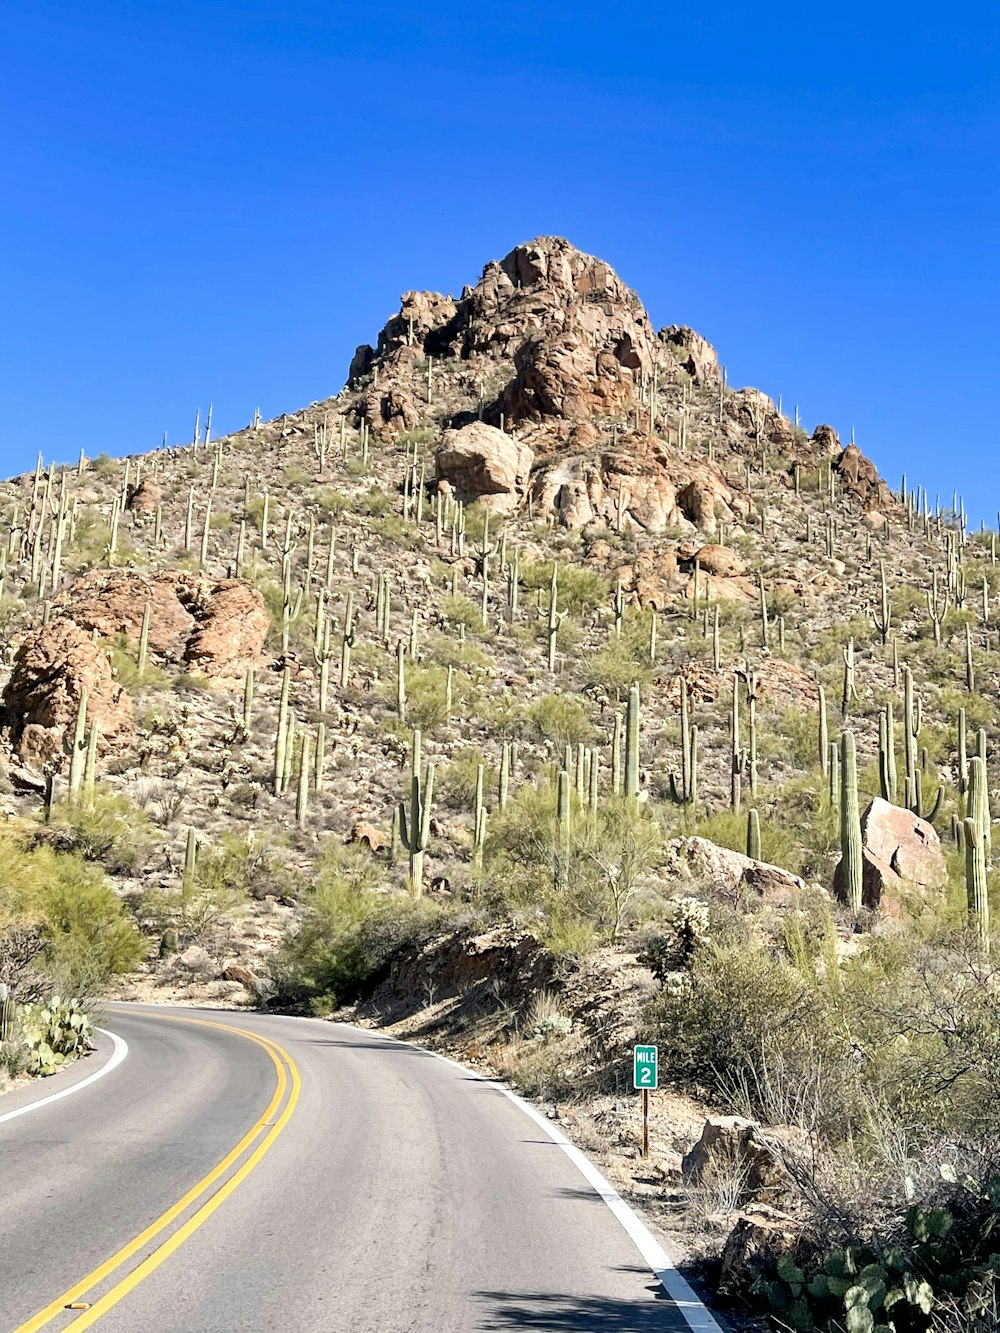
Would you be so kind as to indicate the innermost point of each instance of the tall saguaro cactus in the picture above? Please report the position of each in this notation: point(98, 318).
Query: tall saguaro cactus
point(632, 745)
point(975, 883)
point(415, 826)
point(851, 862)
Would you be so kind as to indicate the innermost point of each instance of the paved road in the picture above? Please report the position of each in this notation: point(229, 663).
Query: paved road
point(379, 1189)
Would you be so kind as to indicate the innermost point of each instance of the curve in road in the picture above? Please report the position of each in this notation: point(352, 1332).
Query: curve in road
point(409, 1196)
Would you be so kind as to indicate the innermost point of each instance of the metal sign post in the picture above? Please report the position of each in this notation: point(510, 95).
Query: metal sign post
point(645, 1075)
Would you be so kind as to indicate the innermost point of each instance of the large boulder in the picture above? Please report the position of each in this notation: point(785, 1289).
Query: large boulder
point(732, 1145)
point(636, 482)
point(216, 628)
point(41, 700)
point(858, 476)
point(695, 353)
point(483, 463)
point(901, 856)
point(113, 602)
point(229, 635)
point(731, 872)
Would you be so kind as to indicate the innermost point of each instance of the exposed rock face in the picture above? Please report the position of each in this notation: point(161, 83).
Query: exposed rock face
point(482, 461)
point(42, 697)
point(551, 341)
point(641, 482)
point(732, 871)
point(229, 635)
point(216, 628)
point(859, 477)
point(112, 602)
point(826, 442)
point(761, 1236)
point(508, 961)
point(144, 498)
point(901, 853)
point(695, 353)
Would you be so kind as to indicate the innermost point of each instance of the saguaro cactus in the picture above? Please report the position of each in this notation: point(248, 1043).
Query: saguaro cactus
point(78, 754)
point(975, 884)
point(415, 827)
point(632, 745)
point(753, 835)
point(851, 862)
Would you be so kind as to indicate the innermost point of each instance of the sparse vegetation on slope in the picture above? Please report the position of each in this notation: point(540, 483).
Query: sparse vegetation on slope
point(551, 625)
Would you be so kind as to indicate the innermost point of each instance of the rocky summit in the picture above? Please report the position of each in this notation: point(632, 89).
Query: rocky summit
point(539, 691)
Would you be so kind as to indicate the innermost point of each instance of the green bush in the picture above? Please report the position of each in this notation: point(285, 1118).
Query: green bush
point(87, 936)
point(558, 718)
point(347, 935)
point(579, 589)
point(109, 829)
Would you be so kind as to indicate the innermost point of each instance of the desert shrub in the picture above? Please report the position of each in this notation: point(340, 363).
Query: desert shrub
point(105, 466)
point(728, 828)
point(458, 609)
point(372, 504)
point(124, 660)
point(224, 875)
point(455, 781)
point(427, 694)
point(347, 935)
point(333, 503)
point(579, 589)
point(575, 886)
point(84, 931)
point(108, 829)
point(623, 662)
point(558, 718)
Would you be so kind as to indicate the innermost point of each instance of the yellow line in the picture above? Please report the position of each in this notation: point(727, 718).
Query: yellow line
point(153, 1261)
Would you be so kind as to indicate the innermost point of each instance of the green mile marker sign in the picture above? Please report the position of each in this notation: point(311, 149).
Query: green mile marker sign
point(645, 1069)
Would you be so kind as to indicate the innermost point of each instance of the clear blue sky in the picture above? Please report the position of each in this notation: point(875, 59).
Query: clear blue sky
point(219, 201)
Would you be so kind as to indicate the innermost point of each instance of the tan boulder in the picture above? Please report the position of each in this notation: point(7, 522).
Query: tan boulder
point(908, 844)
point(144, 498)
point(730, 1145)
point(720, 560)
point(731, 871)
point(483, 463)
point(42, 696)
point(112, 602)
point(858, 476)
point(368, 834)
point(230, 633)
point(901, 855)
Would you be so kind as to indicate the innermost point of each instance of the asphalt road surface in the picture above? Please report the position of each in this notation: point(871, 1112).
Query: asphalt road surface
point(253, 1172)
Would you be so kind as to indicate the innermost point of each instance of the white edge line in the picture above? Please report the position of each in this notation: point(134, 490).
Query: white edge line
point(697, 1317)
point(117, 1056)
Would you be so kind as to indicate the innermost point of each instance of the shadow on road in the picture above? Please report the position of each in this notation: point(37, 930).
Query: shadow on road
point(547, 1311)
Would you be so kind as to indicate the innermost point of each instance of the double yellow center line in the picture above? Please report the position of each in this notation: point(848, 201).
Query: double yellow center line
point(288, 1081)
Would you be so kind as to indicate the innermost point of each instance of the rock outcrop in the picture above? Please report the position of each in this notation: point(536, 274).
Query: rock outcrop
point(52, 668)
point(481, 462)
point(858, 476)
point(640, 482)
point(901, 856)
point(215, 628)
point(229, 633)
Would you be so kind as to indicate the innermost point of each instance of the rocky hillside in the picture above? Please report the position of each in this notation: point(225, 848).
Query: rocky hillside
point(383, 560)
point(538, 620)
